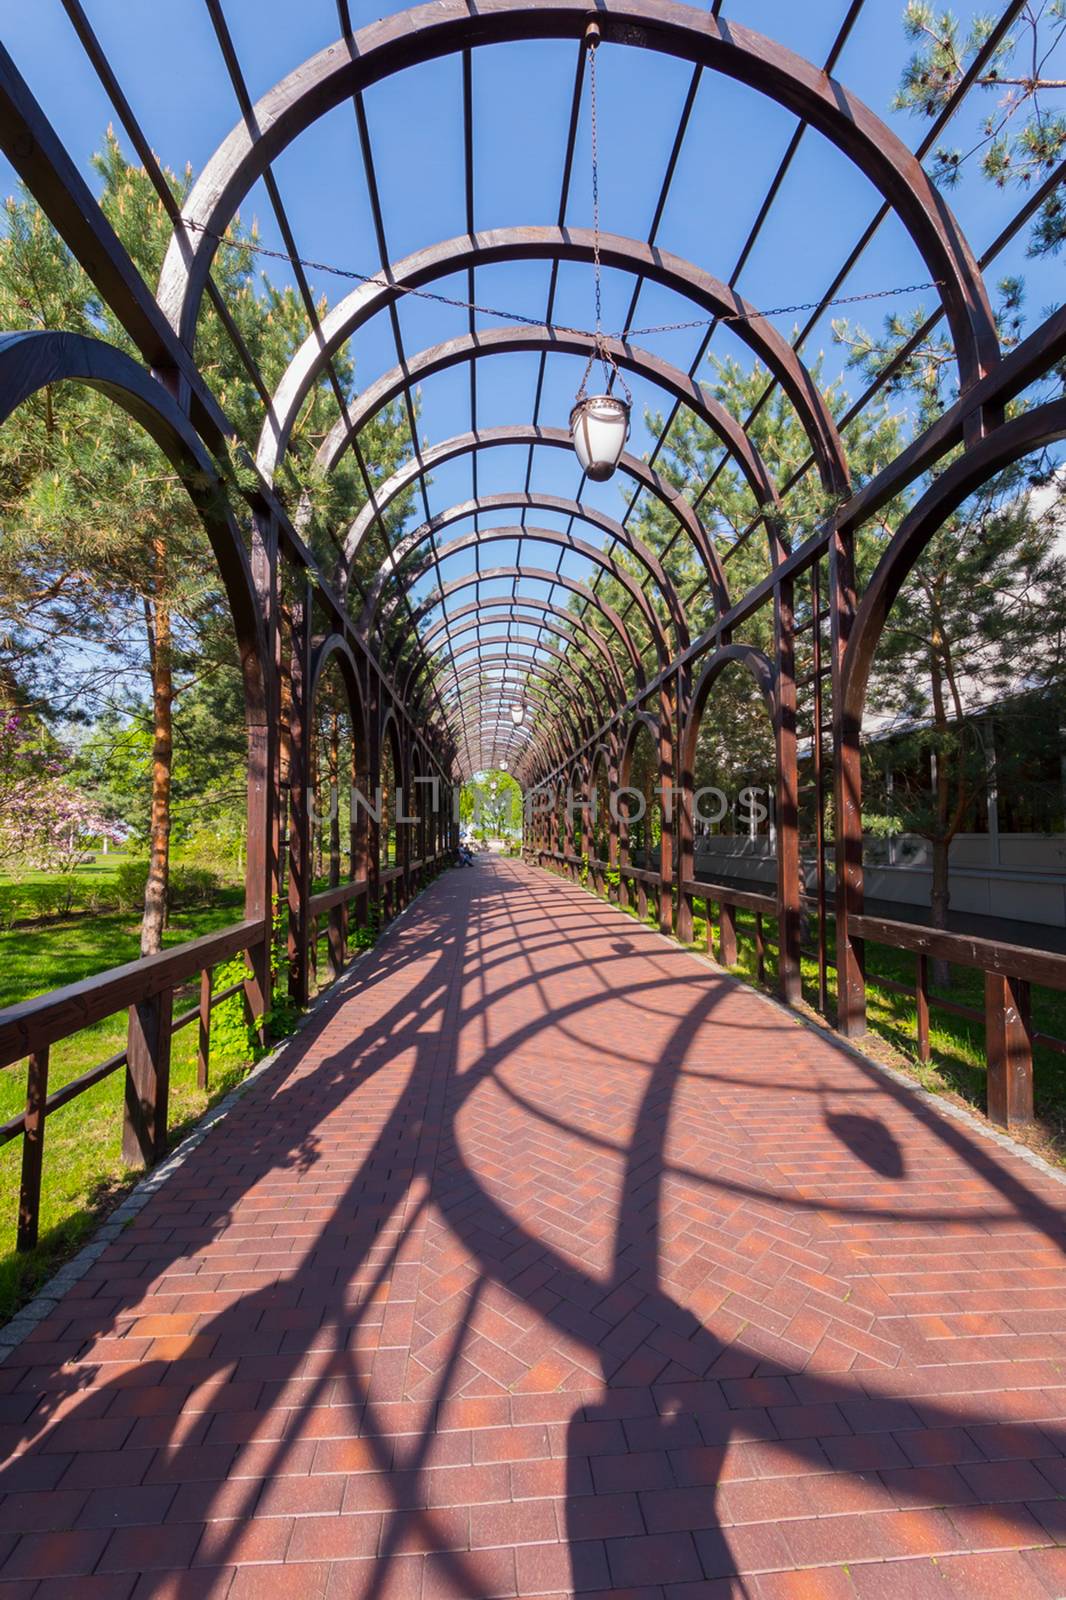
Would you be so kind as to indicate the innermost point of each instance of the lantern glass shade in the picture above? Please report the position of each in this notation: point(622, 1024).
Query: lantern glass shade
point(518, 713)
point(599, 427)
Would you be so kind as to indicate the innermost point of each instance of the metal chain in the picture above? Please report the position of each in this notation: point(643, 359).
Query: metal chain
point(594, 140)
point(374, 280)
point(601, 350)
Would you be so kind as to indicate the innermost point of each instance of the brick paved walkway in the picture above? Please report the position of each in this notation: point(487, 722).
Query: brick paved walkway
point(550, 1262)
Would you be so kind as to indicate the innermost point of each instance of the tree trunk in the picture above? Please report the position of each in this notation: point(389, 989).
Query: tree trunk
point(940, 895)
point(160, 649)
point(938, 905)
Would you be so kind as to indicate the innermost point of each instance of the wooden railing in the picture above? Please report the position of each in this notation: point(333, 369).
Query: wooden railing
point(146, 988)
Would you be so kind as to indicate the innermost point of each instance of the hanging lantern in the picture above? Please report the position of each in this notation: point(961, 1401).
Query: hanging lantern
point(599, 423)
point(518, 713)
point(599, 427)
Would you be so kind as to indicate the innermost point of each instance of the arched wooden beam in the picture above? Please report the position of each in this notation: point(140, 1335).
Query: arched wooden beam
point(550, 536)
point(522, 608)
point(30, 361)
point(641, 719)
point(463, 693)
point(522, 501)
point(592, 690)
point(557, 244)
point(426, 33)
point(1032, 430)
point(540, 575)
point(584, 667)
point(335, 648)
point(761, 670)
point(553, 438)
point(502, 341)
point(556, 691)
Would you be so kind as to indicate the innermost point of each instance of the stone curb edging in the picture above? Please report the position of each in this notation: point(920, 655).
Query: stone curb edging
point(47, 1298)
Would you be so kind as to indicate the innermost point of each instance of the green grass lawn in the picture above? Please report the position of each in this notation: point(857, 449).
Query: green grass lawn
point(83, 1169)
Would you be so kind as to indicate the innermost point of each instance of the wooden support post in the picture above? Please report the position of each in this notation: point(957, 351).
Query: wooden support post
point(665, 909)
point(33, 1149)
point(921, 1000)
point(203, 1053)
point(299, 812)
point(727, 935)
point(847, 800)
point(144, 1132)
point(760, 949)
point(787, 800)
point(708, 906)
point(1009, 1049)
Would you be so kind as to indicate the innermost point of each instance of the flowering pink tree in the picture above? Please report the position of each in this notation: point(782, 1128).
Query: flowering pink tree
point(44, 822)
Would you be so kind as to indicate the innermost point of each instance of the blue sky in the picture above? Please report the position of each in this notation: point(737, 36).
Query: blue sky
point(166, 58)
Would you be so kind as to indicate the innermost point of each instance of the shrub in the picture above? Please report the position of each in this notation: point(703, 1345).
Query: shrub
point(189, 886)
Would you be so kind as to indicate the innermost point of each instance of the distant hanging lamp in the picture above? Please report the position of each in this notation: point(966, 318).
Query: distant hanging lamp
point(518, 713)
point(599, 423)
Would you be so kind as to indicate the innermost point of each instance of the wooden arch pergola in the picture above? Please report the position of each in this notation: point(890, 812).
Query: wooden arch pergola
point(430, 658)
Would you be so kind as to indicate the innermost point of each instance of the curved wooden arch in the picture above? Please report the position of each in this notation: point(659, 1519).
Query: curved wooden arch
point(761, 670)
point(30, 361)
point(335, 647)
point(532, 661)
point(554, 438)
point(448, 26)
point(1032, 430)
point(582, 590)
point(540, 575)
point(525, 501)
point(586, 670)
point(500, 341)
point(534, 687)
point(639, 719)
point(542, 687)
point(556, 244)
point(592, 689)
point(521, 609)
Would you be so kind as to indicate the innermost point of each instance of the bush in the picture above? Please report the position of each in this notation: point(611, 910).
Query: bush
point(189, 886)
point(40, 902)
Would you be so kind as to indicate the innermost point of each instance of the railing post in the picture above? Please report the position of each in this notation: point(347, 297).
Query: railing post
point(760, 949)
point(1009, 1049)
point(33, 1149)
point(727, 935)
point(203, 1054)
point(921, 1000)
point(144, 1133)
point(336, 942)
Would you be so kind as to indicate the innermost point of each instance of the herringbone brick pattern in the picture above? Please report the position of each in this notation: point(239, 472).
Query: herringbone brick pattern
point(550, 1262)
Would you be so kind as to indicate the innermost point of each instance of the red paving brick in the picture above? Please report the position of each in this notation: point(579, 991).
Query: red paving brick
point(547, 1260)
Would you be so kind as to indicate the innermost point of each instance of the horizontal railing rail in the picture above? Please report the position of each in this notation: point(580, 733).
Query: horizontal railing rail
point(46, 1019)
point(145, 989)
